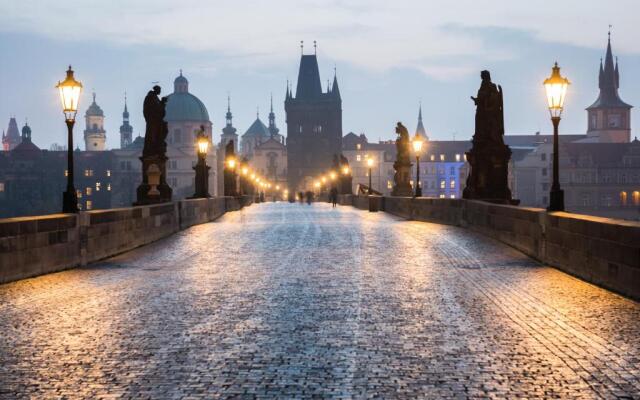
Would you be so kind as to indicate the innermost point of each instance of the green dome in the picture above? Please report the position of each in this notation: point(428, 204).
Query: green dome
point(185, 107)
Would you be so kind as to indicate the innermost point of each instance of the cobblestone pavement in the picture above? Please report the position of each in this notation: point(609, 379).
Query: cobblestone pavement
point(295, 301)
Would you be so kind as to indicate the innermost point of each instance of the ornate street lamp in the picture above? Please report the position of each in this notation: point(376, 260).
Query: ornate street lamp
point(230, 177)
point(556, 88)
point(370, 165)
point(70, 90)
point(201, 167)
point(417, 148)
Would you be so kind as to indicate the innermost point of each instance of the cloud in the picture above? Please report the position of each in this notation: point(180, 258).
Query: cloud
point(373, 34)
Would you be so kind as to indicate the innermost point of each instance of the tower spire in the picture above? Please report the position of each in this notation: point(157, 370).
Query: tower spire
point(420, 131)
point(273, 130)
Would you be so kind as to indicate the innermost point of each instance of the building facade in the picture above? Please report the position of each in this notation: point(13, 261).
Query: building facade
point(11, 138)
point(314, 126)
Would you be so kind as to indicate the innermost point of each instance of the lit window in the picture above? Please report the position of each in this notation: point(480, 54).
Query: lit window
point(389, 185)
point(433, 157)
point(109, 187)
point(78, 194)
point(457, 157)
point(89, 204)
point(79, 206)
point(86, 172)
point(1, 186)
point(88, 191)
point(108, 172)
point(411, 183)
point(453, 196)
point(465, 156)
point(441, 157)
point(358, 146)
point(66, 172)
point(358, 158)
point(442, 195)
point(452, 184)
point(97, 186)
point(443, 184)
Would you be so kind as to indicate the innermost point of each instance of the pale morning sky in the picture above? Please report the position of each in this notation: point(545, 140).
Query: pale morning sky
point(389, 56)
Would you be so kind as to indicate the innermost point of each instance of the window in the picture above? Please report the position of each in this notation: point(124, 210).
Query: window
point(66, 172)
point(453, 196)
point(433, 157)
point(452, 171)
point(635, 196)
point(544, 172)
point(594, 121)
point(1, 187)
point(108, 187)
point(389, 185)
point(89, 204)
point(300, 128)
point(441, 195)
point(86, 172)
point(606, 200)
point(543, 156)
point(88, 191)
point(614, 121)
point(78, 193)
point(358, 146)
point(623, 198)
point(358, 157)
point(441, 157)
point(452, 184)
point(443, 184)
point(457, 157)
point(586, 199)
point(108, 172)
point(97, 186)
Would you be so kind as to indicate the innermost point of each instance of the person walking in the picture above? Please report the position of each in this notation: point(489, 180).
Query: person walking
point(334, 197)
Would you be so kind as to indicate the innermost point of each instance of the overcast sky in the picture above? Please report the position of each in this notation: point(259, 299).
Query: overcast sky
point(389, 55)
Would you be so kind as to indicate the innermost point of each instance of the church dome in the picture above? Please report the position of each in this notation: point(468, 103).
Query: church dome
point(183, 106)
point(94, 109)
point(258, 128)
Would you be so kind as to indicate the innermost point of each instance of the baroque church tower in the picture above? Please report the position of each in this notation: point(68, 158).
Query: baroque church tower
point(229, 132)
point(609, 118)
point(95, 137)
point(126, 130)
point(314, 125)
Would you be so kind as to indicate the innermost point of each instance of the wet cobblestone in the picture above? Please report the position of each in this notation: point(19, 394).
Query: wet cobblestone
point(292, 301)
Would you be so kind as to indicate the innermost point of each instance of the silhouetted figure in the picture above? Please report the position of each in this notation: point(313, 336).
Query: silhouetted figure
point(301, 197)
point(334, 196)
point(309, 195)
point(402, 165)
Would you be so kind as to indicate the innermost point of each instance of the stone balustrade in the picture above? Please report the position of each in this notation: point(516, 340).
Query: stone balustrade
point(602, 251)
point(31, 246)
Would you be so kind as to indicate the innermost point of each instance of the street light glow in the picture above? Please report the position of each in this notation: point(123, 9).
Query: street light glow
point(69, 90)
point(556, 88)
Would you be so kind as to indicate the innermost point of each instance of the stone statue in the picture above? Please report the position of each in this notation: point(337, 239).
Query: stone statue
point(402, 165)
point(489, 156)
point(489, 111)
point(154, 156)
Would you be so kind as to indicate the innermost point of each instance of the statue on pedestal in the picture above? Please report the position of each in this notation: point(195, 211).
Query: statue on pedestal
point(402, 165)
point(489, 156)
point(154, 156)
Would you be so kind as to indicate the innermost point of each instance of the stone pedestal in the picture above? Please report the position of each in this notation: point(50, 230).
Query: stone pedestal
point(402, 178)
point(346, 184)
point(152, 191)
point(489, 171)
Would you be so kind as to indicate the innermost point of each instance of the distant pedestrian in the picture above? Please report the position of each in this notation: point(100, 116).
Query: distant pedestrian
point(309, 197)
point(334, 197)
point(301, 197)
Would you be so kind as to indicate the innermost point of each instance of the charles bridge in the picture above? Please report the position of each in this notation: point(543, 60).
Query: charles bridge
point(429, 298)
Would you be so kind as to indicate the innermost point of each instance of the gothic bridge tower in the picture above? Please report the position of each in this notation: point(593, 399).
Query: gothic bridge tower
point(314, 125)
point(609, 118)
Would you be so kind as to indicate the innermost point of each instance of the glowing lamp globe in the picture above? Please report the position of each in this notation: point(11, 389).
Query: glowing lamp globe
point(417, 144)
point(556, 88)
point(69, 90)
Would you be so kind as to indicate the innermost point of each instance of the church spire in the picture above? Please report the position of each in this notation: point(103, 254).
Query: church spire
point(126, 130)
point(273, 130)
point(229, 132)
point(420, 131)
point(335, 90)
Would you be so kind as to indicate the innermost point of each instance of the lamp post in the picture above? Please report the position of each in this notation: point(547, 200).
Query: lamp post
point(70, 90)
point(417, 148)
point(556, 88)
point(230, 181)
point(370, 165)
point(201, 167)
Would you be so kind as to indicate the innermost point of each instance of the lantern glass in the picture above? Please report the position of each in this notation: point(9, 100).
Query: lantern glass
point(556, 88)
point(370, 162)
point(70, 91)
point(203, 145)
point(417, 145)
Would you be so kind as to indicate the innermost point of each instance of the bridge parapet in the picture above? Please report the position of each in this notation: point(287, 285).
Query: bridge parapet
point(602, 251)
point(31, 246)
